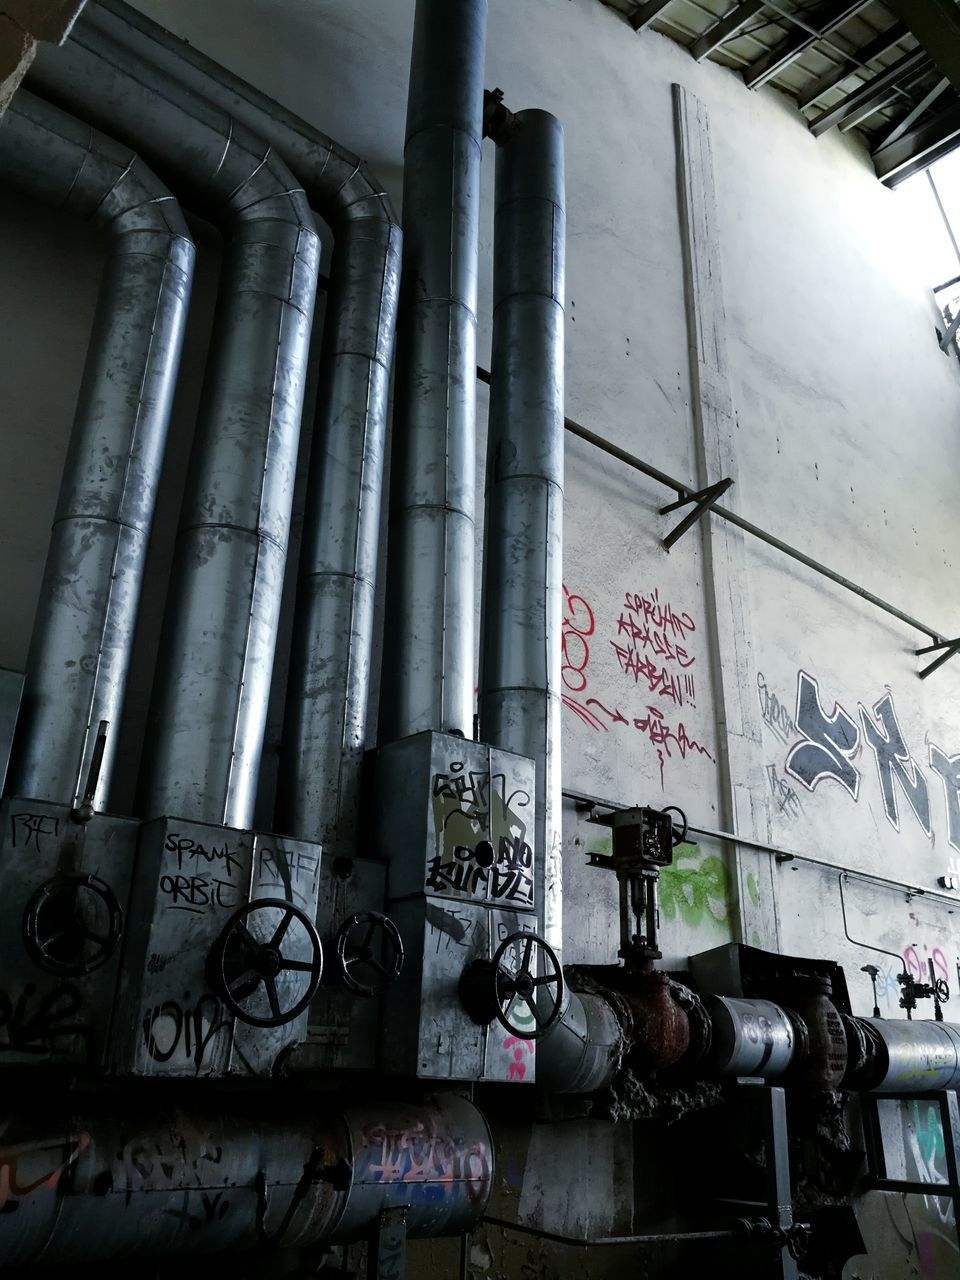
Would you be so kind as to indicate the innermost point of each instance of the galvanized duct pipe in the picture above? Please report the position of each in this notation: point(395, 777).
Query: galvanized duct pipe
point(584, 1048)
point(89, 1188)
point(428, 673)
point(523, 529)
point(80, 650)
point(328, 688)
point(208, 716)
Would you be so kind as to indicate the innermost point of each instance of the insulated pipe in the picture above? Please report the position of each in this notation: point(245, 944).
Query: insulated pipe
point(523, 530)
point(428, 680)
point(329, 683)
point(582, 1051)
point(91, 1187)
point(80, 649)
point(208, 715)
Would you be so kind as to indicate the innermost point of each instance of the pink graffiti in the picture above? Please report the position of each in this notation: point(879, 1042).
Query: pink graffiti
point(518, 1067)
point(578, 624)
point(919, 969)
point(648, 640)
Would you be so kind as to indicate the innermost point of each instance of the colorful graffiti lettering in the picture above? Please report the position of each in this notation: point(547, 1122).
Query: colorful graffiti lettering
point(33, 1166)
point(650, 635)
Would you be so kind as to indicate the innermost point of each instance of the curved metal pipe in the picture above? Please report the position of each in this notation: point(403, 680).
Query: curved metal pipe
point(523, 530)
point(428, 681)
point(208, 716)
point(329, 682)
point(83, 635)
point(582, 1051)
point(120, 1184)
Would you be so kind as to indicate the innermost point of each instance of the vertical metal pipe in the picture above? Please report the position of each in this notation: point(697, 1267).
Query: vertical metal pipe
point(522, 567)
point(428, 666)
point(328, 686)
point(206, 725)
point(80, 649)
point(209, 710)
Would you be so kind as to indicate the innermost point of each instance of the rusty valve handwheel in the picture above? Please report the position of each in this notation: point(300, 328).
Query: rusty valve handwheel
point(72, 925)
point(239, 962)
point(539, 971)
point(369, 953)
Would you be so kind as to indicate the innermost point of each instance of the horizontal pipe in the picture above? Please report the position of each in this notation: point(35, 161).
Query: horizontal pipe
point(657, 1237)
point(79, 658)
point(111, 1182)
point(686, 490)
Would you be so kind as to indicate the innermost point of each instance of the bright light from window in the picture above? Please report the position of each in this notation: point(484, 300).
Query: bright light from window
point(932, 203)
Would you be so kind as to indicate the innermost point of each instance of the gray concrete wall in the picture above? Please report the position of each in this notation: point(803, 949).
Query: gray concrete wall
point(841, 427)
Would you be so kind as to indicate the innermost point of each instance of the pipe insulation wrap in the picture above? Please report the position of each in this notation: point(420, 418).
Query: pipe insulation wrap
point(520, 690)
point(79, 657)
point(582, 1051)
point(428, 682)
point(913, 1056)
point(329, 682)
point(95, 1186)
point(208, 714)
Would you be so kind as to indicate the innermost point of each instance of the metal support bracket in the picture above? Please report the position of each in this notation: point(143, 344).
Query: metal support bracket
point(387, 1250)
point(949, 647)
point(704, 500)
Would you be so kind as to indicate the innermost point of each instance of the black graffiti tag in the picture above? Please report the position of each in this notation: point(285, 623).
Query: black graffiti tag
point(895, 764)
point(948, 769)
point(830, 741)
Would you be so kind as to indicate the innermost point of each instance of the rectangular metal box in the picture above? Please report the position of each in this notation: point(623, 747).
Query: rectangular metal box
point(191, 881)
point(63, 911)
point(455, 824)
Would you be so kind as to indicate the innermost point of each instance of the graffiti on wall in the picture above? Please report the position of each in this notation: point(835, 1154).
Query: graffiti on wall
point(651, 643)
point(827, 742)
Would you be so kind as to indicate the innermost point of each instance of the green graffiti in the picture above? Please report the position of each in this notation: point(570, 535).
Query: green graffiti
point(695, 893)
point(754, 939)
point(929, 1133)
point(753, 888)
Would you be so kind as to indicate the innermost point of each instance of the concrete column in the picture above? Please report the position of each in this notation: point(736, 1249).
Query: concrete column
point(22, 24)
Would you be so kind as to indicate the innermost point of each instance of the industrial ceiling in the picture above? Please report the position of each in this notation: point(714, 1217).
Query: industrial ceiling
point(891, 70)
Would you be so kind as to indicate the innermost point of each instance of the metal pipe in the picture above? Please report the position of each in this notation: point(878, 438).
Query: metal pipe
point(781, 854)
point(523, 529)
point(582, 1051)
point(656, 1237)
point(324, 734)
point(112, 1182)
point(428, 681)
point(79, 657)
point(208, 714)
point(685, 490)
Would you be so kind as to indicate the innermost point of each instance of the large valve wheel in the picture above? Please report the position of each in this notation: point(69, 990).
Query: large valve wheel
point(72, 925)
point(241, 962)
point(369, 953)
point(536, 984)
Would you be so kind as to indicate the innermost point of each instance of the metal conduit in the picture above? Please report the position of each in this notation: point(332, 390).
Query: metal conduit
point(324, 734)
point(111, 1182)
point(208, 715)
point(428, 684)
point(80, 649)
point(523, 530)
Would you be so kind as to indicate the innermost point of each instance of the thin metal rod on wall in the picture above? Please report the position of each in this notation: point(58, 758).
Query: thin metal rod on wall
point(687, 490)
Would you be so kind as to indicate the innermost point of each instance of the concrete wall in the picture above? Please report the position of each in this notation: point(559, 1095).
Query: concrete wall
point(841, 431)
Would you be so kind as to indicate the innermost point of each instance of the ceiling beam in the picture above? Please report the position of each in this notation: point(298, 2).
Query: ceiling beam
point(912, 116)
point(936, 24)
point(918, 148)
point(873, 91)
point(726, 28)
point(644, 14)
point(836, 75)
point(827, 20)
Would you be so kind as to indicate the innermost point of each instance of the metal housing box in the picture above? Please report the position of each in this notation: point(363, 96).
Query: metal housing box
point(455, 824)
point(191, 879)
point(342, 1027)
point(63, 911)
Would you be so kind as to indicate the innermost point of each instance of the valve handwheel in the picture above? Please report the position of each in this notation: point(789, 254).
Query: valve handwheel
point(240, 962)
point(679, 830)
point(72, 925)
point(369, 953)
point(942, 989)
point(537, 984)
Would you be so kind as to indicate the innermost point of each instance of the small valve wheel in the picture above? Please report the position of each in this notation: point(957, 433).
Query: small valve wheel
point(369, 953)
point(536, 983)
point(72, 925)
point(240, 961)
point(942, 990)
